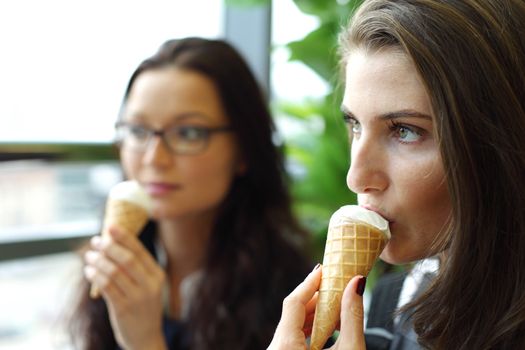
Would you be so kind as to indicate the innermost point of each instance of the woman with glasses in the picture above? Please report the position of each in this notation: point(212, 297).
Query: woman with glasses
point(435, 107)
point(222, 249)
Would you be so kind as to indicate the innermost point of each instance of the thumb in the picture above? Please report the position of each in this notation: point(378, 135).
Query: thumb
point(351, 336)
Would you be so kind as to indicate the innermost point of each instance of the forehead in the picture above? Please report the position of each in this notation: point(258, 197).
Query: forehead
point(383, 81)
point(169, 92)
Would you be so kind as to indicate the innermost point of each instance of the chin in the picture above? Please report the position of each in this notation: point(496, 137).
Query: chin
point(161, 213)
point(394, 256)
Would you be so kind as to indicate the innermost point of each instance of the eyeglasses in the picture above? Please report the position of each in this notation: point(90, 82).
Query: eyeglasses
point(178, 139)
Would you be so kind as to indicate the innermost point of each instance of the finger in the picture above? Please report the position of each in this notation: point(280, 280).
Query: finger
point(312, 303)
point(109, 273)
point(101, 281)
point(96, 242)
point(294, 305)
point(115, 299)
point(307, 331)
point(310, 314)
point(125, 260)
point(97, 245)
point(308, 325)
point(352, 315)
point(133, 244)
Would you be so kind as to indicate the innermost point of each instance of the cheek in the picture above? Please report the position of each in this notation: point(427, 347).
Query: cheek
point(218, 167)
point(423, 207)
point(420, 195)
point(427, 189)
point(428, 210)
point(421, 183)
point(212, 177)
point(130, 165)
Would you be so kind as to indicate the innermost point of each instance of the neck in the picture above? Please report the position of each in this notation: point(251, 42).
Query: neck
point(186, 241)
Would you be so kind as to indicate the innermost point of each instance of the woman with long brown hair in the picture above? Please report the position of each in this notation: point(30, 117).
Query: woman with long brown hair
point(435, 106)
point(222, 248)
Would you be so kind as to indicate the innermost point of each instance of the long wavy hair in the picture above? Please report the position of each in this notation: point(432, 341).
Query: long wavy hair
point(258, 251)
point(470, 54)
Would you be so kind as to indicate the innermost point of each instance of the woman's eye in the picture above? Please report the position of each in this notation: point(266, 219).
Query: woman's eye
point(356, 126)
point(138, 132)
point(406, 134)
point(353, 125)
point(191, 133)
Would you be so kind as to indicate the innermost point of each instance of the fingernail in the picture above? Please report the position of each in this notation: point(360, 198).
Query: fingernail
point(96, 241)
point(316, 266)
point(361, 286)
point(90, 256)
point(89, 272)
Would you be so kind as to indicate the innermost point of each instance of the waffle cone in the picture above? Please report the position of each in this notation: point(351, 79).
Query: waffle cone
point(127, 216)
point(350, 250)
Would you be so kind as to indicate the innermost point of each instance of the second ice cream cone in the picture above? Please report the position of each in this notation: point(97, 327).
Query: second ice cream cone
point(125, 215)
point(127, 208)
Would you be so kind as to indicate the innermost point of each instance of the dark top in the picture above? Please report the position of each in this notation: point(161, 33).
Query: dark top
point(382, 333)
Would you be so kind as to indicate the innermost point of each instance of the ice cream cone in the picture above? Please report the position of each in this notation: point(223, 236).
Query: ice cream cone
point(352, 248)
point(126, 215)
point(127, 208)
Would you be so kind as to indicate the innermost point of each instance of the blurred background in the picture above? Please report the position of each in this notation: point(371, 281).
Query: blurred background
point(64, 67)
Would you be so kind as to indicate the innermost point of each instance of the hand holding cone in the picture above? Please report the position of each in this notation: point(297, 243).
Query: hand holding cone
point(356, 238)
point(128, 207)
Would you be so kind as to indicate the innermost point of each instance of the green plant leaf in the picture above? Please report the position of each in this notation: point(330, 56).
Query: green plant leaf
point(328, 11)
point(318, 50)
point(323, 154)
point(247, 3)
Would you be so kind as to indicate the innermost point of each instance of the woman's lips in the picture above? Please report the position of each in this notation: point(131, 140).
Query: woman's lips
point(369, 207)
point(160, 188)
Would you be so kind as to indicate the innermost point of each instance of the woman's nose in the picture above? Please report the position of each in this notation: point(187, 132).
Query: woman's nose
point(367, 172)
point(157, 153)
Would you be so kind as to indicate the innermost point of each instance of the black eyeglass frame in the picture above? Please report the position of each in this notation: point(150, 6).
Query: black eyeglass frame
point(206, 132)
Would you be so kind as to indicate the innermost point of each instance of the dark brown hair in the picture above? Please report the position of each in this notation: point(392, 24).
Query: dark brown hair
point(470, 55)
point(255, 257)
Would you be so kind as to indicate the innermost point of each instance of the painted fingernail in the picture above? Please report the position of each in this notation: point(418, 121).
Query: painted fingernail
point(361, 286)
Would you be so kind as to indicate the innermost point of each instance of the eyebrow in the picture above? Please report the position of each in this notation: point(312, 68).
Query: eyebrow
point(404, 113)
point(176, 118)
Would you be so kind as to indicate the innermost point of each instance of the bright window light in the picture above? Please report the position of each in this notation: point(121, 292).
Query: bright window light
point(65, 64)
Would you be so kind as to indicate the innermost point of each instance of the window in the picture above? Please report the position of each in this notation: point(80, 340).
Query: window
point(65, 64)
